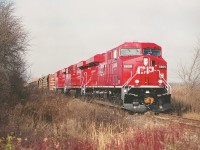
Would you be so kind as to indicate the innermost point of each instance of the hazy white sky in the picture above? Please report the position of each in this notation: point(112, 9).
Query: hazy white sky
point(64, 32)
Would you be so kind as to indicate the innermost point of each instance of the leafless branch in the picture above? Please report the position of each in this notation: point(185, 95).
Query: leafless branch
point(190, 75)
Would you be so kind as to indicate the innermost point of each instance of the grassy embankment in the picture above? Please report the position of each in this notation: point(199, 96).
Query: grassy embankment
point(49, 121)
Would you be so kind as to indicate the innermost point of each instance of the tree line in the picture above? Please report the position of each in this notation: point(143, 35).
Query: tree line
point(13, 47)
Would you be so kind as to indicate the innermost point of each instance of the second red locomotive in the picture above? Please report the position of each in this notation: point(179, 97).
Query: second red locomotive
point(133, 74)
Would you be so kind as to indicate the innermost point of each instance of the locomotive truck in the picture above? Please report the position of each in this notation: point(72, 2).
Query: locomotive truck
point(134, 74)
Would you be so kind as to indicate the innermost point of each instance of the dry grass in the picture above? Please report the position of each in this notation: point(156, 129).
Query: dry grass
point(186, 100)
point(191, 115)
point(49, 121)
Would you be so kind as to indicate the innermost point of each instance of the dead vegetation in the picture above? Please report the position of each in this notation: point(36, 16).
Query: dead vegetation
point(49, 121)
point(186, 100)
point(186, 95)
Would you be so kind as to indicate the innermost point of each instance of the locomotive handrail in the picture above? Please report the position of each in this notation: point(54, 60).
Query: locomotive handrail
point(131, 77)
point(88, 81)
point(129, 80)
point(84, 79)
point(168, 85)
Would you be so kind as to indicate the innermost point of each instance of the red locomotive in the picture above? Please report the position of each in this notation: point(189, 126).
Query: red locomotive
point(134, 74)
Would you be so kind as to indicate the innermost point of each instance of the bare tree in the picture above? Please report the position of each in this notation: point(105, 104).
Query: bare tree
point(186, 96)
point(190, 74)
point(13, 46)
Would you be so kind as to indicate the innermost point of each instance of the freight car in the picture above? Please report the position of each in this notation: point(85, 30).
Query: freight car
point(134, 74)
point(46, 82)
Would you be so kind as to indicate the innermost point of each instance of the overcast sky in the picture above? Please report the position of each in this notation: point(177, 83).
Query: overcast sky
point(64, 32)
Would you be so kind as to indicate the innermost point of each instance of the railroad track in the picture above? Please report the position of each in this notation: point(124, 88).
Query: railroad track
point(189, 123)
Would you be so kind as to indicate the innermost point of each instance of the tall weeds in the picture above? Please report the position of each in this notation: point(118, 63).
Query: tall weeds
point(49, 121)
point(186, 99)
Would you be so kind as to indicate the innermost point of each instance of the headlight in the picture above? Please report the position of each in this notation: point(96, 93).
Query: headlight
point(137, 81)
point(128, 66)
point(147, 91)
point(160, 81)
point(145, 61)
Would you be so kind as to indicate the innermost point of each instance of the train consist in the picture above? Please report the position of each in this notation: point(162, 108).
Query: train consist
point(133, 74)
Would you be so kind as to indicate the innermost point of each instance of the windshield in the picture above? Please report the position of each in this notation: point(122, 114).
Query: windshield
point(130, 51)
point(149, 51)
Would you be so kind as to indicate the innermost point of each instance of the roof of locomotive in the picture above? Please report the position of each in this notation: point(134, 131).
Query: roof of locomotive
point(124, 45)
point(138, 45)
